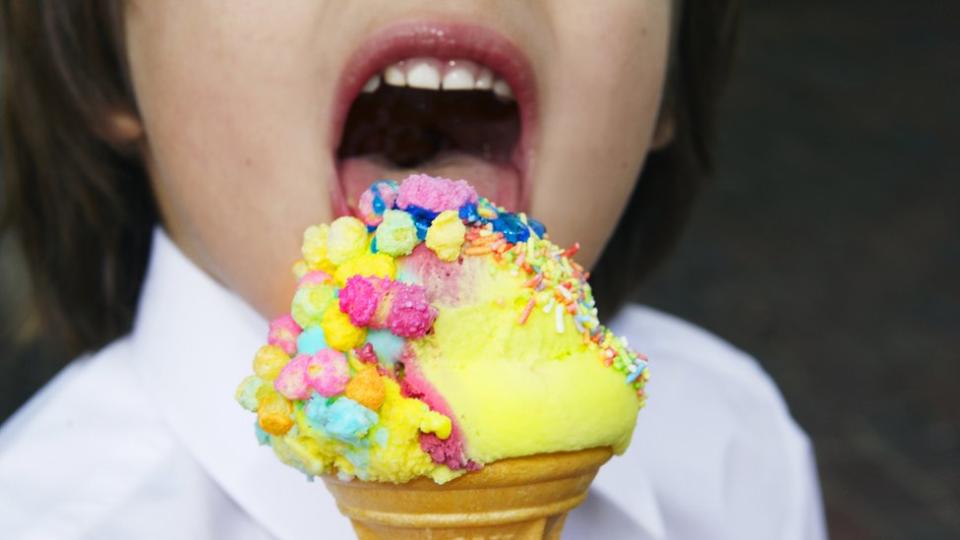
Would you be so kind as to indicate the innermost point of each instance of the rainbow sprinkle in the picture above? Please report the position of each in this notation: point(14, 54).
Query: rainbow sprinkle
point(558, 285)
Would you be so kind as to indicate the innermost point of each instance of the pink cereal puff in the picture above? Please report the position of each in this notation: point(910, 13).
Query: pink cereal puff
point(411, 315)
point(328, 373)
point(362, 299)
point(434, 193)
point(315, 277)
point(358, 299)
point(370, 210)
point(283, 333)
point(291, 382)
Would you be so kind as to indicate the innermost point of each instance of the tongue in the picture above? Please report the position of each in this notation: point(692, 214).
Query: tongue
point(499, 182)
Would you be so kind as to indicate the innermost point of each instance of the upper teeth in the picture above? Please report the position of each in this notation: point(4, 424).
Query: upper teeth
point(434, 74)
point(421, 74)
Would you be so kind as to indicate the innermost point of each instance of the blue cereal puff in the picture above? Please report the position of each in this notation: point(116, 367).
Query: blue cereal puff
point(311, 340)
point(388, 346)
point(349, 421)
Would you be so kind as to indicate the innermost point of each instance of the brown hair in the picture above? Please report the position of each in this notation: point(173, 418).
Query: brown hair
point(81, 206)
point(702, 55)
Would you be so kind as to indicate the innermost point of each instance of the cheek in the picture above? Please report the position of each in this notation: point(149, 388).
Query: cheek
point(231, 104)
point(601, 96)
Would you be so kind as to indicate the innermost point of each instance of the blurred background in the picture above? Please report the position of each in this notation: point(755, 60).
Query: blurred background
point(827, 246)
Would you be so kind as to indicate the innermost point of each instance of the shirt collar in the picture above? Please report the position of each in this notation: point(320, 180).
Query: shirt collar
point(193, 342)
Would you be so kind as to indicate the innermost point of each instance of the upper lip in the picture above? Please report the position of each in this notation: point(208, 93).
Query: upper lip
point(443, 40)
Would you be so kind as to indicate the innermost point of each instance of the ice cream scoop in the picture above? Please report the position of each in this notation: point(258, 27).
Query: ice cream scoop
point(436, 333)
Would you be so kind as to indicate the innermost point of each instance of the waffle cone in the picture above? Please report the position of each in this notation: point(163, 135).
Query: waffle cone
point(519, 498)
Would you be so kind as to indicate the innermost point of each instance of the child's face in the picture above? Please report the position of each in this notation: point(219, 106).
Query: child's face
point(245, 146)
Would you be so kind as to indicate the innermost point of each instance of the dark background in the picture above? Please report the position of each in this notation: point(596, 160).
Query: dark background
point(827, 245)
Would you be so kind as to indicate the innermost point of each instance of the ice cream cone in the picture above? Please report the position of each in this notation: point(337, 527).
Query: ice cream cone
point(520, 499)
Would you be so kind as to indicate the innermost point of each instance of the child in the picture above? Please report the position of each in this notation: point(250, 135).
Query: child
point(162, 158)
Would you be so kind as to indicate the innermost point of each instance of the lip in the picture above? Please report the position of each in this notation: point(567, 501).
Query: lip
point(443, 40)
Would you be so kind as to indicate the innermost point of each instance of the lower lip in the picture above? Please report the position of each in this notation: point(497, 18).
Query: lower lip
point(445, 41)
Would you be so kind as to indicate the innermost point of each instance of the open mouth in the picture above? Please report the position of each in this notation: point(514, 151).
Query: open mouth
point(448, 100)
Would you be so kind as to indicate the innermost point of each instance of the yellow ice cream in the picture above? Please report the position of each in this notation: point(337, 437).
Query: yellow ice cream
point(519, 390)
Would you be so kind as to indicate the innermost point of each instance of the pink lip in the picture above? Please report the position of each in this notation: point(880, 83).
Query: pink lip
point(443, 40)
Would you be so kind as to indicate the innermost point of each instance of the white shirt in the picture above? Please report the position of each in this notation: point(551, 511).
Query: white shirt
point(144, 440)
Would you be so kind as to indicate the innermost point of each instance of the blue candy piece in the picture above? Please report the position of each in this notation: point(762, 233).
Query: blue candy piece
point(513, 228)
point(538, 228)
point(373, 244)
point(636, 374)
point(420, 213)
point(468, 213)
point(388, 346)
point(422, 218)
point(378, 204)
point(422, 227)
point(311, 340)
